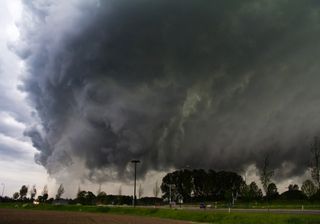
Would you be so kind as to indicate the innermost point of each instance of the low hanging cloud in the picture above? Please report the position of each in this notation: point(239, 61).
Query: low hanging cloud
point(209, 84)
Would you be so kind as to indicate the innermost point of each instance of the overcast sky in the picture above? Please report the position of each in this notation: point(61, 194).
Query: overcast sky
point(17, 164)
point(87, 85)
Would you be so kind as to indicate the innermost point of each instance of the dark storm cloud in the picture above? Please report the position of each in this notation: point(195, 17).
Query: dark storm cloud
point(212, 84)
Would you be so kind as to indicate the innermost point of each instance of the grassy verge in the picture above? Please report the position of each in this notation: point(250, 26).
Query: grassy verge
point(278, 204)
point(196, 216)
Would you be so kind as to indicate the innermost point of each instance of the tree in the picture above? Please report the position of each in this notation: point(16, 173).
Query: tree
point(272, 191)
point(245, 192)
point(265, 174)
point(200, 183)
point(16, 195)
point(156, 190)
point(293, 195)
point(86, 198)
point(212, 184)
point(60, 191)
point(45, 193)
point(81, 197)
point(91, 198)
point(45, 197)
point(40, 198)
point(308, 188)
point(177, 183)
point(102, 197)
point(33, 192)
point(140, 191)
point(315, 163)
point(293, 187)
point(23, 191)
point(227, 185)
point(254, 191)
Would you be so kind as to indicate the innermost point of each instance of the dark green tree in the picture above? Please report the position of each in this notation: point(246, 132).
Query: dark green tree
point(212, 184)
point(60, 191)
point(254, 191)
point(308, 188)
point(201, 183)
point(228, 183)
point(265, 174)
point(86, 198)
point(90, 198)
point(293, 187)
point(45, 194)
point(245, 192)
point(251, 192)
point(293, 194)
point(272, 191)
point(23, 191)
point(179, 182)
point(16, 195)
point(102, 198)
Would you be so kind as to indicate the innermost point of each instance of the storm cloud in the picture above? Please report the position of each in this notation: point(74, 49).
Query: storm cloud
point(208, 84)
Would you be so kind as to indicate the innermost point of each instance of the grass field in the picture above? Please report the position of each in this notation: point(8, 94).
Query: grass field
point(196, 216)
point(278, 204)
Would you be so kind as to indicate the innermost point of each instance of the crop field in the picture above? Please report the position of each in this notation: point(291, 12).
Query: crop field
point(69, 214)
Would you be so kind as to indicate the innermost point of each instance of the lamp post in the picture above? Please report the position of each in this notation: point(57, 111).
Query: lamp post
point(135, 180)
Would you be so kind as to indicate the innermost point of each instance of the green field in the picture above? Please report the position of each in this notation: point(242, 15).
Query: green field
point(196, 216)
point(278, 204)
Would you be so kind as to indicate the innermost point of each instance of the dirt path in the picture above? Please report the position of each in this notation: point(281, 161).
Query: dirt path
point(15, 216)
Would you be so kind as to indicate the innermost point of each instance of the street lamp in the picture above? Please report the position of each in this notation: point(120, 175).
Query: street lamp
point(135, 180)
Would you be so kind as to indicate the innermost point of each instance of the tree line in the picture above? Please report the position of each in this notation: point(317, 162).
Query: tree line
point(186, 185)
point(201, 185)
point(22, 195)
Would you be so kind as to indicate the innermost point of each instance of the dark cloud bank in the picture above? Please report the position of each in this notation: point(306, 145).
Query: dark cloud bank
point(210, 84)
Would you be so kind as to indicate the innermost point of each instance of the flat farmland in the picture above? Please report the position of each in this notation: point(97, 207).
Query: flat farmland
point(17, 216)
point(69, 214)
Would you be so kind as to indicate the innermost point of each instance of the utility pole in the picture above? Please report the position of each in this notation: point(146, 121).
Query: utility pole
point(135, 181)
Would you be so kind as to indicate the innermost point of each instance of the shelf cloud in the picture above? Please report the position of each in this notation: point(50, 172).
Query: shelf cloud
point(208, 84)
